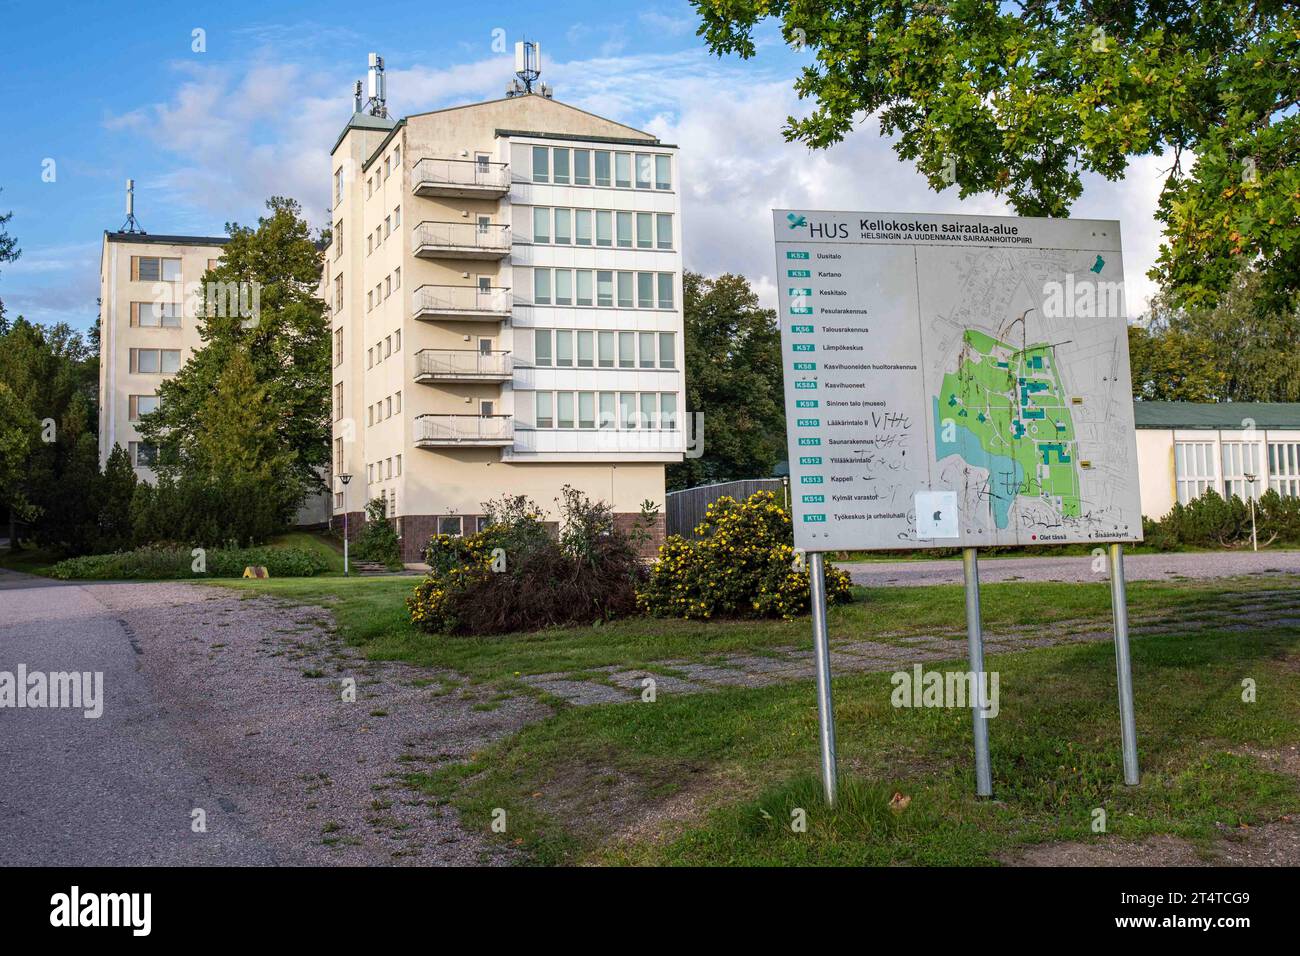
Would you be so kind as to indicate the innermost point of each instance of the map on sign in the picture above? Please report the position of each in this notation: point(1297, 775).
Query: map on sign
point(955, 381)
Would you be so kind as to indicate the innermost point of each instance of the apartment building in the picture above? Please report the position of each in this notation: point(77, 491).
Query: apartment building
point(506, 289)
point(147, 328)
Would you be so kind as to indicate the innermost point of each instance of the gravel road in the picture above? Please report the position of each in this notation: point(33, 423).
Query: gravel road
point(1137, 567)
point(234, 707)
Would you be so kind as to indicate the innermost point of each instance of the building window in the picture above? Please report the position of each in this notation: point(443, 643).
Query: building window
point(582, 227)
point(665, 290)
point(564, 348)
point(155, 269)
point(627, 410)
point(338, 239)
point(338, 456)
point(606, 349)
point(1193, 469)
point(644, 170)
point(586, 409)
point(647, 349)
point(542, 347)
point(338, 347)
point(604, 228)
point(582, 167)
point(667, 350)
point(545, 410)
point(541, 286)
point(397, 278)
point(451, 524)
point(1284, 468)
point(563, 227)
point(623, 170)
point(668, 410)
point(143, 455)
point(602, 167)
point(338, 293)
point(627, 350)
point(608, 417)
point(625, 290)
point(664, 230)
point(397, 217)
point(564, 410)
point(584, 287)
point(155, 361)
point(1239, 460)
point(338, 185)
point(645, 290)
point(541, 164)
point(541, 224)
point(604, 288)
point(338, 400)
point(563, 286)
point(663, 176)
point(397, 341)
point(142, 405)
point(560, 166)
point(156, 315)
point(625, 230)
point(644, 230)
point(586, 349)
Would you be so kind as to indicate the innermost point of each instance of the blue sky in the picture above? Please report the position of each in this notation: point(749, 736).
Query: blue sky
point(110, 90)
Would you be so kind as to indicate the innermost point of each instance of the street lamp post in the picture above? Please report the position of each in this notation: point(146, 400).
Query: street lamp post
point(345, 479)
point(1254, 538)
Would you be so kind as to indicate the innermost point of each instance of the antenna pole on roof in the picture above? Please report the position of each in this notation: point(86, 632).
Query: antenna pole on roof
point(378, 102)
point(356, 97)
point(528, 67)
point(131, 225)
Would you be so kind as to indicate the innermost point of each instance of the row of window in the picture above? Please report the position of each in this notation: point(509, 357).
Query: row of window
point(384, 348)
point(1197, 471)
point(156, 315)
point(564, 227)
point(625, 410)
point(384, 409)
point(392, 222)
point(159, 268)
point(390, 162)
point(155, 361)
point(384, 469)
point(556, 348)
point(382, 290)
point(603, 288)
point(601, 167)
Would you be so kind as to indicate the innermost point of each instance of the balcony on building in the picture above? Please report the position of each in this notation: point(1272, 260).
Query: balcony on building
point(461, 365)
point(461, 178)
point(464, 302)
point(461, 240)
point(464, 431)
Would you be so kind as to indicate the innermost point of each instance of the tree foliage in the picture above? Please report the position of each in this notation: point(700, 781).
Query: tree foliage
point(1243, 348)
point(251, 406)
point(9, 251)
point(733, 378)
point(1021, 99)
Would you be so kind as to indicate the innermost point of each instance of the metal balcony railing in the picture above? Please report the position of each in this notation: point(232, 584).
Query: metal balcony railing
point(462, 363)
point(486, 238)
point(460, 299)
point(434, 175)
point(464, 429)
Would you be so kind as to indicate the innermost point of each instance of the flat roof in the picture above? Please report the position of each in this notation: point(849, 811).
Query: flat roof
point(1227, 415)
point(160, 239)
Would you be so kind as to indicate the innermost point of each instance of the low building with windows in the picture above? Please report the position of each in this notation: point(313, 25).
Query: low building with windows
point(149, 296)
point(505, 283)
point(1235, 448)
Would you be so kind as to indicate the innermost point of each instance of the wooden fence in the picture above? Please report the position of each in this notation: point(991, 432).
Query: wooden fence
point(685, 509)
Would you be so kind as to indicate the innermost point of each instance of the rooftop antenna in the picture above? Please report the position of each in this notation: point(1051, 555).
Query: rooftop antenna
point(378, 102)
point(131, 225)
point(356, 98)
point(528, 67)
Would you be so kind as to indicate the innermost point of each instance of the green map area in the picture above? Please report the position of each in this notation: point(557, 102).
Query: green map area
point(1013, 419)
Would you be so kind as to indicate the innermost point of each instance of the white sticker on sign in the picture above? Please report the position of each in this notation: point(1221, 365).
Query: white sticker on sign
point(936, 514)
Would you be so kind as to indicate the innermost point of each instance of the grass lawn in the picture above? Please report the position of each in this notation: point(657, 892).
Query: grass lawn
point(371, 615)
point(324, 545)
point(28, 560)
point(712, 779)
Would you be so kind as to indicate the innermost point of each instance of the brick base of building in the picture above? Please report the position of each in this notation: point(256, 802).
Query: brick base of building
point(416, 530)
point(356, 521)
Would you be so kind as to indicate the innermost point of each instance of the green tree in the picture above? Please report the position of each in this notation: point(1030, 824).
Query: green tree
point(1171, 366)
point(17, 433)
point(1021, 99)
point(9, 251)
point(117, 490)
point(733, 378)
point(277, 394)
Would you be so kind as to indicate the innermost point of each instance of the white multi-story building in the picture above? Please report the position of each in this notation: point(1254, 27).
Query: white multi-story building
point(506, 289)
point(147, 330)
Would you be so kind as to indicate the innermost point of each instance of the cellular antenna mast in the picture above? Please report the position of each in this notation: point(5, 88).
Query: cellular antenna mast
point(528, 67)
point(131, 225)
point(377, 105)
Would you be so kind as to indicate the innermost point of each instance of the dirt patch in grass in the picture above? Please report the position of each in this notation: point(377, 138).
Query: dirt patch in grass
point(1271, 844)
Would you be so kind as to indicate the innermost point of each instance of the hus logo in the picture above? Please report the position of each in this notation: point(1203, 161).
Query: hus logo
point(828, 230)
point(796, 221)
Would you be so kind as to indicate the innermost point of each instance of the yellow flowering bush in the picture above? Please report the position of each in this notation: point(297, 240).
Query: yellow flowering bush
point(741, 564)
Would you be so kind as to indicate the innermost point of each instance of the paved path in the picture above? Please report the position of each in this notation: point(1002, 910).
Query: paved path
point(112, 790)
point(1137, 567)
point(233, 706)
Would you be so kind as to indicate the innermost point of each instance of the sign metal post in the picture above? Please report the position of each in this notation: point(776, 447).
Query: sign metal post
point(975, 642)
point(1123, 666)
point(822, 654)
